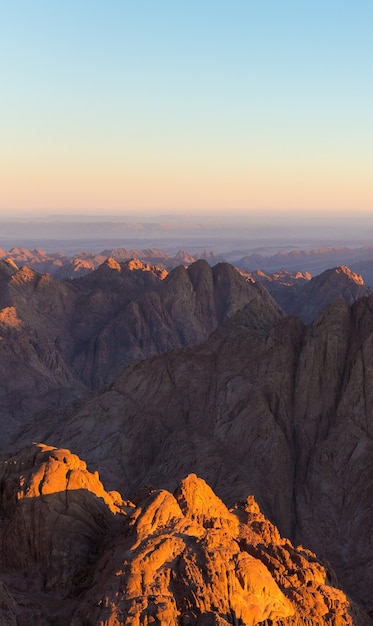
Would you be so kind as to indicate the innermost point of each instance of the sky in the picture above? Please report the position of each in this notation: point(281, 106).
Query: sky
point(186, 107)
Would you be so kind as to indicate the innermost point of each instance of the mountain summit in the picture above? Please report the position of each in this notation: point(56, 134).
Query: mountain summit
point(73, 553)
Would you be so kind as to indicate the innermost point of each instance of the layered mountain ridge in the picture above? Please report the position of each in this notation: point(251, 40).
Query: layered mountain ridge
point(200, 372)
point(62, 339)
point(266, 405)
point(314, 260)
point(306, 296)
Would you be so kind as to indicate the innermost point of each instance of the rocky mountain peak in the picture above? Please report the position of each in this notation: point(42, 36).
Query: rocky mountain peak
point(39, 470)
point(8, 267)
point(333, 284)
point(198, 502)
point(342, 272)
point(111, 264)
point(173, 568)
point(24, 275)
point(74, 553)
point(136, 264)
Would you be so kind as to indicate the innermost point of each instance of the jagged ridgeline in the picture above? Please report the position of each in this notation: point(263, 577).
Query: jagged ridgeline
point(63, 339)
point(152, 376)
point(76, 554)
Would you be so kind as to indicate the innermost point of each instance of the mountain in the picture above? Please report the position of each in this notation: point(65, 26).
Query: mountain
point(202, 375)
point(265, 406)
point(302, 295)
point(365, 268)
point(313, 297)
point(36, 346)
point(62, 339)
point(283, 285)
point(62, 267)
point(73, 553)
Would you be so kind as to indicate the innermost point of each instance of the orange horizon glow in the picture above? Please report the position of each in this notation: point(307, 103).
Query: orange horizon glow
point(189, 189)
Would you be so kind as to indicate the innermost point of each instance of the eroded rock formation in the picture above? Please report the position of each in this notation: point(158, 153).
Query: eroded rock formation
point(58, 340)
point(73, 553)
point(276, 409)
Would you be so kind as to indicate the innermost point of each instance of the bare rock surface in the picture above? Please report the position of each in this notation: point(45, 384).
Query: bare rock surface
point(76, 554)
point(301, 294)
point(264, 406)
point(55, 520)
point(59, 340)
point(320, 291)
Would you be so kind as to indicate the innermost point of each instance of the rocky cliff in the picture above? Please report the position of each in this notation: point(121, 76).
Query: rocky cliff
point(61, 339)
point(72, 553)
point(272, 408)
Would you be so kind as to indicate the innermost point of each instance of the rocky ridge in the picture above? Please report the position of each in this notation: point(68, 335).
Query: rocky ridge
point(266, 405)
point(62, 266)
point(306, 296)
point(73, 553)
point(62, 339)
point(322, 290)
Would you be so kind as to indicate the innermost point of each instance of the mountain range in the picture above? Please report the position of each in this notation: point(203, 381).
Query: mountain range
point(257, 384)
point(312, 261)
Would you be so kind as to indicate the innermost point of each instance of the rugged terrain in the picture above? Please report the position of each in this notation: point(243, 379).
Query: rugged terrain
point(314, 261)
point(150, 377)
point(73, 553)
point(62, 339)
point(306, 296)
point(271, 407)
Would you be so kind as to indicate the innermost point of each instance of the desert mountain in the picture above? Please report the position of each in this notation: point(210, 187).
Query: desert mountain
point(61, 339)
point(300, 294)
point(365, 268)
point(62, 266)
point(284, 286)
point(266, 405)
point(314, 296)
point(73, 553)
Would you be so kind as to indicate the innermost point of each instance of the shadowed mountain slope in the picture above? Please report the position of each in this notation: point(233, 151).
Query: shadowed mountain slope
point(276, 409)
point(315, 295)
point(61, 339)
point(300, 294)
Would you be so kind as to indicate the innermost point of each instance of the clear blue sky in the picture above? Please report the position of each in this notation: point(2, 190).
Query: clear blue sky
point(200, 105)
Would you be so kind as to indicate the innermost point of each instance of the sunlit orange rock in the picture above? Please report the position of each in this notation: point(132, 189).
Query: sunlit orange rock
point(56, 515)
point(186, 559)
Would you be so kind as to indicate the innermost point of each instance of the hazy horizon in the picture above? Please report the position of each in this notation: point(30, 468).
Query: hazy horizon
point(74, 233)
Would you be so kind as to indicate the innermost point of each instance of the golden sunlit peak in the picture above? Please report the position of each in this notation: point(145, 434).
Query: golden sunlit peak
point(9, 317)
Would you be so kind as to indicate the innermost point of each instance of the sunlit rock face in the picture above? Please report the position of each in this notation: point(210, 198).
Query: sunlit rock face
point(56, 515)
point(280, 410)
point(186, 559)
point(73, 553)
